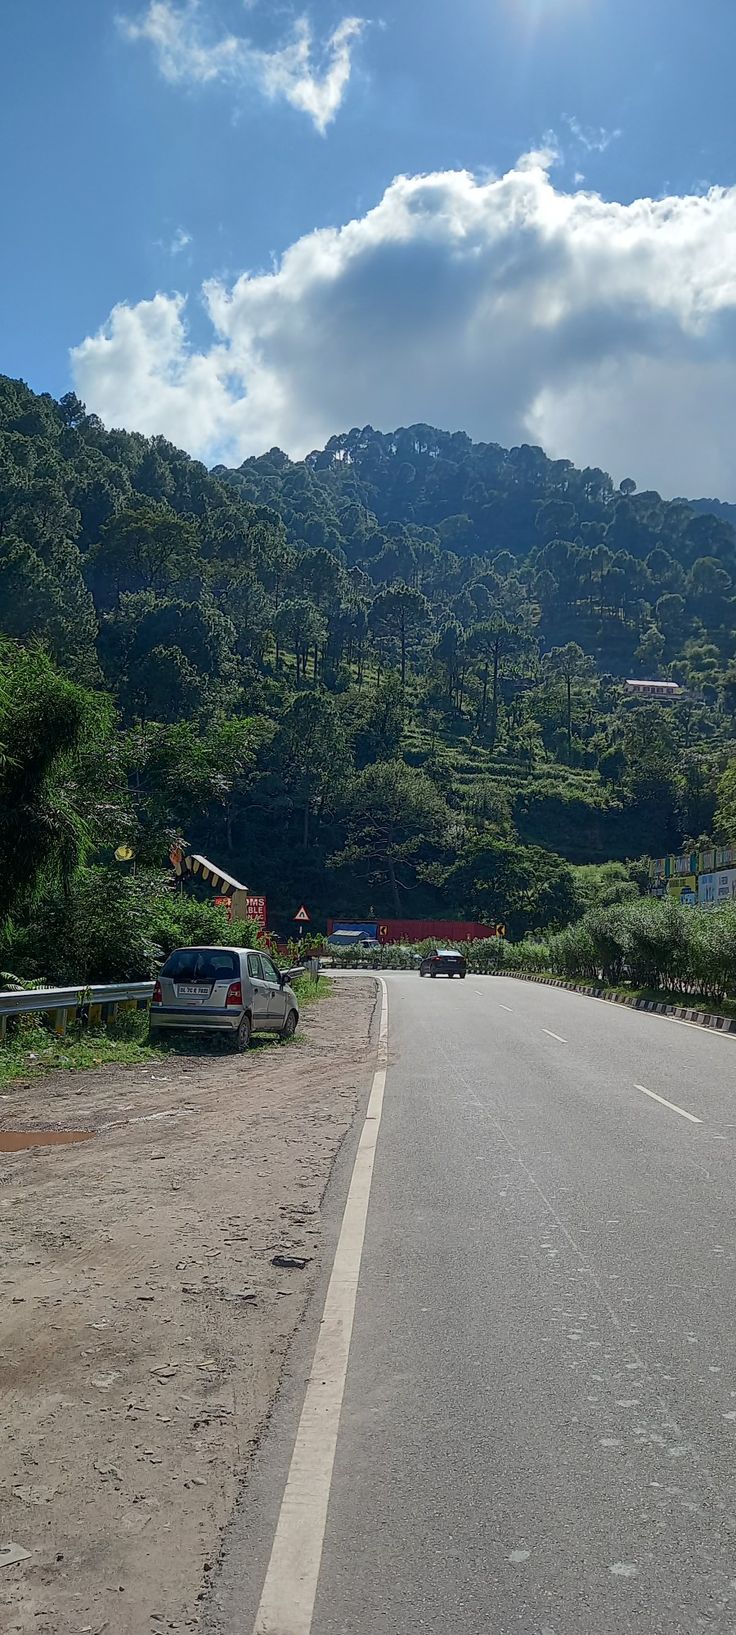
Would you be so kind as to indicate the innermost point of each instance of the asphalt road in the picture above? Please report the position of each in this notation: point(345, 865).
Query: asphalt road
point(538, 1430)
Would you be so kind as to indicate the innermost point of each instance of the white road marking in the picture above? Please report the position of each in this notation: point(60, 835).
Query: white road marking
point(556, 1036)
point(505, 1008)
point(671, 1104)
point(287, 1602)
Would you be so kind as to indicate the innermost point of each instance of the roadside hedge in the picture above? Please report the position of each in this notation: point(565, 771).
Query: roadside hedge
point(658, 946)
point(645, 944)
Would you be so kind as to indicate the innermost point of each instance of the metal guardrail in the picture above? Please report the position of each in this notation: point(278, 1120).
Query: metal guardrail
point(101, 1002)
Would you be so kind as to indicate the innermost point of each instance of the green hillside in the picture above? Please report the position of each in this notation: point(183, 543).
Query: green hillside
point(389, 676)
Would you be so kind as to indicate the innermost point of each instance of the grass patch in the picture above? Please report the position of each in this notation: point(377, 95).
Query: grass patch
point(30, 1050)
point(308, 991)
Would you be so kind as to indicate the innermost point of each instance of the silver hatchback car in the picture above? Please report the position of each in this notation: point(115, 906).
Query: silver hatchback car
point(230, 991)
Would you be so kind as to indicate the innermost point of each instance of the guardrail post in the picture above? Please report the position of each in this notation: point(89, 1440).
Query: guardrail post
point(60, 1021)
point(95, 1015)
point(2, 1030)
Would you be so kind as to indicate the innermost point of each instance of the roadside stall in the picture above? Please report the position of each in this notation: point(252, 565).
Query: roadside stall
point(231, 894)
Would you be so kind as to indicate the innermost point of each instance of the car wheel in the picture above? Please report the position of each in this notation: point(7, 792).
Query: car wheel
point(462, 975)
point(241, 1039)
point(289, 1028)
point(154, 1034)
point(433, 973)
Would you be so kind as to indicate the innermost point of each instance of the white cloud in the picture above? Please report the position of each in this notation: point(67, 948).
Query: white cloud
point(186, 52)
point(180, 241)
point(590, 139)
point(503, 306)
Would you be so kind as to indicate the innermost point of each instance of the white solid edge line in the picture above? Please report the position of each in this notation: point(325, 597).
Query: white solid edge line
point(556, 1036)
point(679, 1021)
point(671, 1104)
point(287, 1602)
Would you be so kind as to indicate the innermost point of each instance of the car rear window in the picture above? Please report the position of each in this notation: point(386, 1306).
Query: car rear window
point(201, 965)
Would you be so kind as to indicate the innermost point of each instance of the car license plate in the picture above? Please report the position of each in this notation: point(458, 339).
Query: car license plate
point(188, 990)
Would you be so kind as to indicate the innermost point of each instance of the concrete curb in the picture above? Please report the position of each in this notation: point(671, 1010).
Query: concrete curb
point(703, 1019)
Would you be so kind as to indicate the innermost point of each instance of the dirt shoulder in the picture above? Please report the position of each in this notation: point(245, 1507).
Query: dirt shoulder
point(143, 1325)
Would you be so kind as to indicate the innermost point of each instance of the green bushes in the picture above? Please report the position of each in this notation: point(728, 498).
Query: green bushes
point(655, 945)
point(658, 946)
point(525, 956)
point(483, 956)
point(112, 927)
point(712, 951)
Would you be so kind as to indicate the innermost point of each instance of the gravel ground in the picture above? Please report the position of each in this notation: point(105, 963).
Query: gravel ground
point(143, 1323)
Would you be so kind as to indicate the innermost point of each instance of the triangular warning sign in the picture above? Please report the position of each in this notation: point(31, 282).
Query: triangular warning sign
point(302, 915)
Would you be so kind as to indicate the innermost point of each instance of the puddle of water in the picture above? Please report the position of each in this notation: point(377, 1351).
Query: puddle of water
point(17, 1140)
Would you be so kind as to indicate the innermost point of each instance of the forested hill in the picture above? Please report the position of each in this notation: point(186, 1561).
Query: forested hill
point(387, 675)
point(475, 497)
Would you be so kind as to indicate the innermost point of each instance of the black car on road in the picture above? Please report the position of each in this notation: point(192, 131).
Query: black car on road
point(443, 962)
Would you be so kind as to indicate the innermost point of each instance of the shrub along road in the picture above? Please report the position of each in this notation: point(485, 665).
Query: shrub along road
point(539, 1412)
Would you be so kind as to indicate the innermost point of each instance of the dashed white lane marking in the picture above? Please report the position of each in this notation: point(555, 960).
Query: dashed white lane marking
point(287, 1602)
point(671, 1104)
point(497, 1002)
point(556, 1036)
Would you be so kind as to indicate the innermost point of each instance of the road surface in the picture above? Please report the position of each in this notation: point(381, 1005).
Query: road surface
point(538, 1425)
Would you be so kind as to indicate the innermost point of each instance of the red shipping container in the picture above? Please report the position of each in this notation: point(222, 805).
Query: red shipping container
point(410, 931)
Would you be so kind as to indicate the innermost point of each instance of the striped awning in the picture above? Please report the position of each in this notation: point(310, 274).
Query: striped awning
point(192, 863)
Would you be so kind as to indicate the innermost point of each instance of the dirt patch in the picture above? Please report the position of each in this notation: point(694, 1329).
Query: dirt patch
point(144, 1316)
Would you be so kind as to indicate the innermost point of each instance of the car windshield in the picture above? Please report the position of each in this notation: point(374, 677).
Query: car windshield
point(201, 965)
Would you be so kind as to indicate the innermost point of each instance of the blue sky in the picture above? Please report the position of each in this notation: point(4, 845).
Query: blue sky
point(157, 146)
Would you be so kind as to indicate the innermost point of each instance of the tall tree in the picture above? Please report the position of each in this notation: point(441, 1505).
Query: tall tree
point(569, 664)
point(494, 644)
point(309, 755)
point(53, 784)
point(146, 547)
point(393, 815)
point(400, 612)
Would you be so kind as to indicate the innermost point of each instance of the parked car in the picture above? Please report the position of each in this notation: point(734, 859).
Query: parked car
point(234, 992)
point(443, 962)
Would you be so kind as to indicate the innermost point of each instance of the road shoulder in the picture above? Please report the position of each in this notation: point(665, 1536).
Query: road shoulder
point(144, 1324)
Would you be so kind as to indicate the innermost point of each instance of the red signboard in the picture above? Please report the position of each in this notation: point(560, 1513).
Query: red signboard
point(257, 911)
